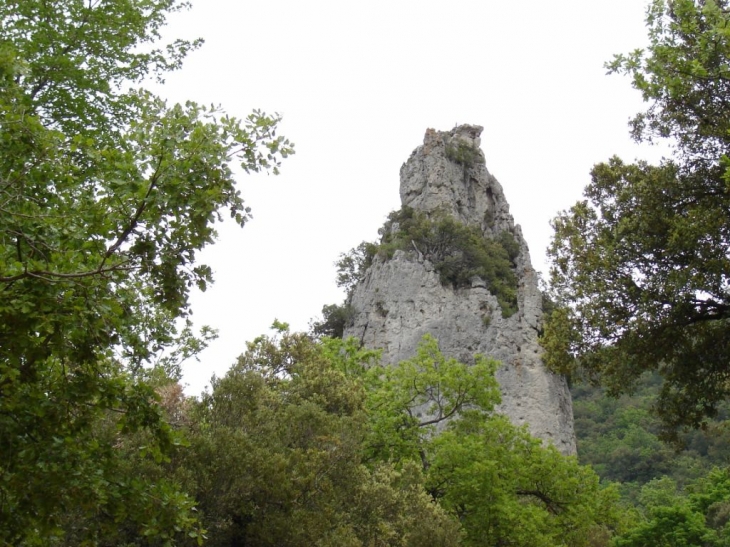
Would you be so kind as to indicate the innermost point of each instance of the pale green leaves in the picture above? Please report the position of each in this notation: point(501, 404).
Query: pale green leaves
point(406, 403)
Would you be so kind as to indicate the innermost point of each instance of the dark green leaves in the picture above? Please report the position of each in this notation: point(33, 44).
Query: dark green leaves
point(458, 252)
point(276, 455)
point(641, 265)
point(107, 194)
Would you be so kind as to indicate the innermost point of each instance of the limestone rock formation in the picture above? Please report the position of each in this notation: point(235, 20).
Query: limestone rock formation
point(400, 299)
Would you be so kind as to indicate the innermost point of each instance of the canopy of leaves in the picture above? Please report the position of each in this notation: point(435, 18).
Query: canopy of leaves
point(106, 196)
point(641, 265)
point(504, 486)
point(699, 515)
point(619, 438)
point(310, 442)
point(276, 455)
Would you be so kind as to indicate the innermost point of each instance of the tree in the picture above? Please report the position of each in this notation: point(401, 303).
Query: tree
point(641, 265)
point(698, 516)
point(618, 438)
point(276, 455)
point(106, 195)
point(335, 319)
point(504, 486)
point(312, 442)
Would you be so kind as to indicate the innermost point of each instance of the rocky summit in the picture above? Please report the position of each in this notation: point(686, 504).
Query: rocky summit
point(402, 295)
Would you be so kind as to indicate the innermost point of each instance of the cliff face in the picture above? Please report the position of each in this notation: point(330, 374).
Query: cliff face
point(402, 298)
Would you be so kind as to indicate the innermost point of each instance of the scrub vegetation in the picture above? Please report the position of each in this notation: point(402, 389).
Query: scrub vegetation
point(458, 253)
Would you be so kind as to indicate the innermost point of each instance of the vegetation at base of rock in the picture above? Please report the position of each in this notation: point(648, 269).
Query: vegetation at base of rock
point(458, 253)
point(108, 195)
point(313, 442)
point(462, 153)
point(641, 265)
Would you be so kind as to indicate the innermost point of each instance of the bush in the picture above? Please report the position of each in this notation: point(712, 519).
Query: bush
point(458, 252)
point(335, 320)
point(510, 244)
point(462, 153)
point(352, 265)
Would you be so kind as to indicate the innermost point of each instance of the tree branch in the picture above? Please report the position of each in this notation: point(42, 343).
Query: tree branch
point(138, 213)
point(555, 507)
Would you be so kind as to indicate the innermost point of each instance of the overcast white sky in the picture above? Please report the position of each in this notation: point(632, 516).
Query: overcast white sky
point(358, 83)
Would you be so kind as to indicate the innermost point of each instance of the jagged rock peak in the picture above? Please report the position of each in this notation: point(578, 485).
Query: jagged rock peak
point(399, 299)
point(448, 174)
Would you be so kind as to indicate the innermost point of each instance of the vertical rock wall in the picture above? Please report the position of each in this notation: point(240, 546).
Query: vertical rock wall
point(401, 299)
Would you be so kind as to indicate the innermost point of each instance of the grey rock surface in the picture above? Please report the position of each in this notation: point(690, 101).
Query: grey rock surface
point(401, 299)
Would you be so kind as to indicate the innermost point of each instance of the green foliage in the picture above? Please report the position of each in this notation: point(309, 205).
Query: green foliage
point(619, 438)
point(502, 484)
point(457, 252)
point(679, 495)
point(683, 76)
point(509, 244)
point(673, 526)
point(430, 386)
point(313, 442)
point(108, 195)
point(351, 266)
point(698, 516)
point(463, 154)
point(641, 264)
point(335, 319)
point(276, 455)
point(508, 489)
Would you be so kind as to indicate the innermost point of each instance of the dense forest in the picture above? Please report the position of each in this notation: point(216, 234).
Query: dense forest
point(107, 196)
point(679, 489)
